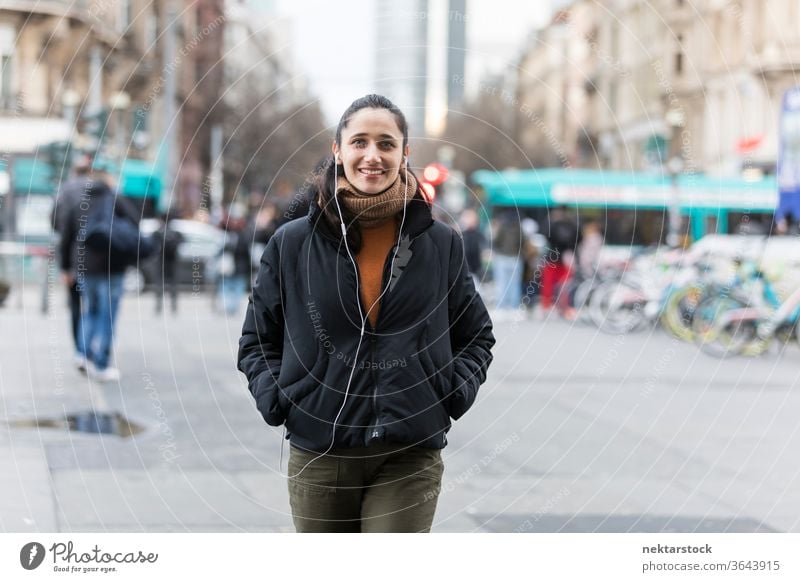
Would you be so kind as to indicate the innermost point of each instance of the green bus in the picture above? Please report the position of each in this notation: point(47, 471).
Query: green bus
point(634, 207)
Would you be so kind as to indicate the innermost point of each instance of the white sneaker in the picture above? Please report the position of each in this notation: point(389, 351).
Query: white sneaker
point(519, 315)
point(501, 315)
point(108, 374)
point(540, 313)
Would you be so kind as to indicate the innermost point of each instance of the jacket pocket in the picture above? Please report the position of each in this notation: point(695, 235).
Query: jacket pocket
point(439, 378)
point(291, 394)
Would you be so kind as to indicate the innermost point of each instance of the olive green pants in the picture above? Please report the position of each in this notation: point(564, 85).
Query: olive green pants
point(381, 488)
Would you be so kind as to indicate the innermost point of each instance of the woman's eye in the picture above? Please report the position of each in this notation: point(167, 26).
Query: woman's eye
point(387, 145)
point(359, 142)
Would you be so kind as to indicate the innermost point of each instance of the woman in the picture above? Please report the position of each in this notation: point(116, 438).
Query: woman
point(364, 336)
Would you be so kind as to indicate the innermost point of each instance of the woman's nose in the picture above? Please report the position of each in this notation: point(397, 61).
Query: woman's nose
point(372, 153)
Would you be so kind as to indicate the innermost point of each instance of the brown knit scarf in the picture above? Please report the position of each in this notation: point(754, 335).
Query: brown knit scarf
point(372, 209)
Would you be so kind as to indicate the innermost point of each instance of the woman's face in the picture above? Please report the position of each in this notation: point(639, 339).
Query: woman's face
point(371, 151)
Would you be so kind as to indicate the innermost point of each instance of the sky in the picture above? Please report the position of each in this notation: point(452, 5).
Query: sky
point(333, 42)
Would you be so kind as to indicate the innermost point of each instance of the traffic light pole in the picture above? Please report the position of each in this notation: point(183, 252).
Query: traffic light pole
point(9, 210)
point(168, 147)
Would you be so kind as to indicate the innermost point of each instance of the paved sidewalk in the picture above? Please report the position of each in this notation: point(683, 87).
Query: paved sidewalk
point(573, 431)
point(205, 460)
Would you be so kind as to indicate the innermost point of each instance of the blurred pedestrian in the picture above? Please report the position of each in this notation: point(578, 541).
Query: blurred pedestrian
point(787, 225)
point(235, 268)
point(257, 234)
point(67, 199)
point(562, 240)
point(507, 245)
point(169, 241)
point(289, 204)
point(364, 336)
point(474, 242)
point(100, 240)
point(530, 261)
point(589, 249)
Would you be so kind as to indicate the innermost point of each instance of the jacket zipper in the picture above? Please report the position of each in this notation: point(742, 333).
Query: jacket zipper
point(386, 271)
point(372, 331)
point(374, 340)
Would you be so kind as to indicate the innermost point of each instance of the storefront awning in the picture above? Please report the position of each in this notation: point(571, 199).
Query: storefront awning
point(139, 179)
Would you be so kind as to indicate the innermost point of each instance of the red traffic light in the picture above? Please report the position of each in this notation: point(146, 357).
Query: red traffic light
point(428, 191)
point(435, 174)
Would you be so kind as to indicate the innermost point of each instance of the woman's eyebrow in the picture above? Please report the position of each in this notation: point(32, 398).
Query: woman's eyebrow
point(381, 136)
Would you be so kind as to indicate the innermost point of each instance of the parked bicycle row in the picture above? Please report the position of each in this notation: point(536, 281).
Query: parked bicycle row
point(730, 295)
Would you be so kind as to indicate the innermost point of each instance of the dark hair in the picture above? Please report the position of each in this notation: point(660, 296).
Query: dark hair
point(373, 101)
point(325, 179)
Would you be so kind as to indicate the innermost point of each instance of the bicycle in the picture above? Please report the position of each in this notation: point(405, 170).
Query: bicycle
point(758, 328)
point(745, 317)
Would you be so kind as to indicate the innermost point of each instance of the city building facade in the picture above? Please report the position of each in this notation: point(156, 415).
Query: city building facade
point(630, 84)
point(401, 58)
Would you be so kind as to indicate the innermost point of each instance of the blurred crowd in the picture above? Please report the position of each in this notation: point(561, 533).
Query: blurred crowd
point(520, 263)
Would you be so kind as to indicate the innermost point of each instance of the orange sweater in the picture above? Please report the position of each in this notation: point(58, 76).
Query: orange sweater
point(375, 246)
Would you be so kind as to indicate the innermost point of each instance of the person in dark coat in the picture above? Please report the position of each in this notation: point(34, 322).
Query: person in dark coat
point(507, 261)
point(67, 198)
point(97, 274)
point(474, 242)
point(364, 336)
point(562, 237)
point(169, 240)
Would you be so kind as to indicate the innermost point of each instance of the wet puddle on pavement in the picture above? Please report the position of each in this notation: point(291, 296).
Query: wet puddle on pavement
point(87, 422)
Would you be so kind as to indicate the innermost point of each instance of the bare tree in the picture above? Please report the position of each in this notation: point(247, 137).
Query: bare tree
point(267, 144)
point(485, 135)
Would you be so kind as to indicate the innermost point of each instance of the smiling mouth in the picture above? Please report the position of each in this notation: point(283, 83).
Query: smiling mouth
point(371, 172)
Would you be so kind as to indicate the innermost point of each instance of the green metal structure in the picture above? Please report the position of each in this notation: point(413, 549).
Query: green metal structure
point(698, 197)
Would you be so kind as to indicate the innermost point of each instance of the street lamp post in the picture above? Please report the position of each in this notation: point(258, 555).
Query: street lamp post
point(675, 119)
point(167, 150)
point(8, 209)
point(70, 100)
point(452, 194)
point(120, 102)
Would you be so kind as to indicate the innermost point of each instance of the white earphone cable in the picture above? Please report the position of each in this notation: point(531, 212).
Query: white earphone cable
point(361, 313)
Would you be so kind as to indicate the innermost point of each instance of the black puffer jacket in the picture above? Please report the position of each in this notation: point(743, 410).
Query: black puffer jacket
point(420, 366)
